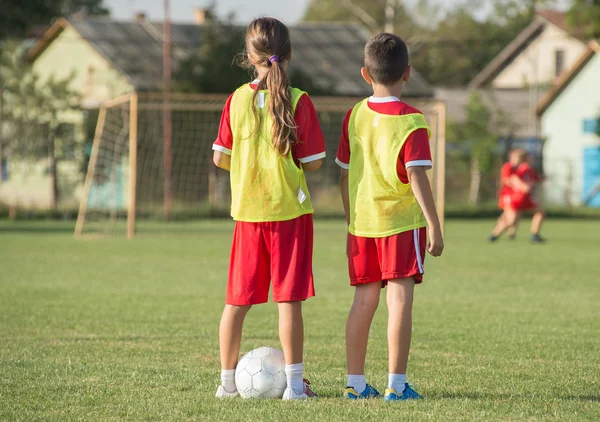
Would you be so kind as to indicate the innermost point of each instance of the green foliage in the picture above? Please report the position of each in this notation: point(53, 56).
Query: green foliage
point(584, 18)
point(112, 329)
point(21, 15)
point(218, 65)
point(449, 47)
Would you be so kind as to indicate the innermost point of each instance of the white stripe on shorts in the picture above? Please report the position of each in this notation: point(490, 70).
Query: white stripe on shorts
point(416, 236)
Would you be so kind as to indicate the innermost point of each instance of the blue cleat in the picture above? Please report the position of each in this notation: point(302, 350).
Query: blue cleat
point(369, 393)
point(408, 394)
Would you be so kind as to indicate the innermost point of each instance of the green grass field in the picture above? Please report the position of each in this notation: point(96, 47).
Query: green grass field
point(110, 329)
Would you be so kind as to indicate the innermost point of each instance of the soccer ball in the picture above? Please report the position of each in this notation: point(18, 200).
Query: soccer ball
point(260, 374)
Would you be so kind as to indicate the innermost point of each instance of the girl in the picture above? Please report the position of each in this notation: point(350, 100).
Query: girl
point(268, 137)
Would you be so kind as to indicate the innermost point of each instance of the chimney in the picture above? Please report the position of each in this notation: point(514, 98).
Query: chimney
point(140, 17)
point(201, 16)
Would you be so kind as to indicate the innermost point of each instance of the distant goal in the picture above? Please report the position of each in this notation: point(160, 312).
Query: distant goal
point(151, 162)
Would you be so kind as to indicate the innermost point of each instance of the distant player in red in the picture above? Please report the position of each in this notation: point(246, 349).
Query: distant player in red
point(523, 199)
point(509, 182)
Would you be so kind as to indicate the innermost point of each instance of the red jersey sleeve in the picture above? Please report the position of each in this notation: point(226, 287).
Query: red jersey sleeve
point(311, 142)
point(224, 142)
point(416, 151)
point(342, 157)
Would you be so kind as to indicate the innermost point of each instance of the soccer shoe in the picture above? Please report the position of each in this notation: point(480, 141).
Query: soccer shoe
point(492, 238)
point(369, 393)
point(224, 394)
point(290, 394)
point(408, 394)
point(536, 238)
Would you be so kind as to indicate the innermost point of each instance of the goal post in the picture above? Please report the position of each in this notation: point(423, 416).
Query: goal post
point(124, 189)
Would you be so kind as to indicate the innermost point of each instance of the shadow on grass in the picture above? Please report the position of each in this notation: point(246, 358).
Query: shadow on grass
point(489, 396)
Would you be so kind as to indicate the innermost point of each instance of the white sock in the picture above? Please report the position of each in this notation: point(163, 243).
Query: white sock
point(397, 382)
point(228, 380)
point(295, 377)
point(358, 382)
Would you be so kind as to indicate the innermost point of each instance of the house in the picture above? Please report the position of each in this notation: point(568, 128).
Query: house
point(570, 122)
point(110, 58)
point(541, 53)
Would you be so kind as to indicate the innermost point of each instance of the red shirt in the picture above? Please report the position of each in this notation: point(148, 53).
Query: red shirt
point(527, 174)
point(311, 143)
point(506, 171)
point(415, 151)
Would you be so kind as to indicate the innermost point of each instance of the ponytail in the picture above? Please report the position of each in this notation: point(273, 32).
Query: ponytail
point(268, 44)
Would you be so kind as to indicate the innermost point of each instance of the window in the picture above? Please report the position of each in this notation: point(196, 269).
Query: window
point(559, 61)
point(591, 126)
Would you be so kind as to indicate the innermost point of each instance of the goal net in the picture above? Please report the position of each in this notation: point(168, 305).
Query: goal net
point(151, 166)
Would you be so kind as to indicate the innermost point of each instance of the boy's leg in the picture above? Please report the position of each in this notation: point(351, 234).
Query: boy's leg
point(513, 224)
point(536, 225)
point(400, 301)
point(499, 227)
point(366, 301)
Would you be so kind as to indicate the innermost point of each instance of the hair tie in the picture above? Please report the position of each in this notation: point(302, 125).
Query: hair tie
point(274, 58)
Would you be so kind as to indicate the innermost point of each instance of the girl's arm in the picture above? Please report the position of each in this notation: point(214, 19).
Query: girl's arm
point(312, 166)
point(223, 161)
point(345, 194)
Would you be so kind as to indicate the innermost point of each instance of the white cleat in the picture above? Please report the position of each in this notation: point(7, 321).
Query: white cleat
point(290, 394)
point(224, 394)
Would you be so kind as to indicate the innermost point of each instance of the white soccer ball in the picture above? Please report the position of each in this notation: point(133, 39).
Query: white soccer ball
point(260, 374)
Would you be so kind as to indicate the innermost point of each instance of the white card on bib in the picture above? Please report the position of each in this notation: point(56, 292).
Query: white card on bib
point(301, 196)
point(261, 100)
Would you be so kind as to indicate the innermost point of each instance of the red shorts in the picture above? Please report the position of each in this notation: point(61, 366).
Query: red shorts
point(505, 201)
point(273, 252)
point(371, 260)
point(523, 202)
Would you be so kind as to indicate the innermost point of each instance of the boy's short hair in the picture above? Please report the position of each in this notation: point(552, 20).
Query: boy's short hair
point(386, 58)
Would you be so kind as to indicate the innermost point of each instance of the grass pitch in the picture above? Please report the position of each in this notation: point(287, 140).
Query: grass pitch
point(110, 329)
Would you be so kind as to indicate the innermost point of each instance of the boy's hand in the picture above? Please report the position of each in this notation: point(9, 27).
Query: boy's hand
point(436, 242)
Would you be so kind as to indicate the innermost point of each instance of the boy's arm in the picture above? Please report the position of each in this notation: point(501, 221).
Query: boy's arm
point(417, 177)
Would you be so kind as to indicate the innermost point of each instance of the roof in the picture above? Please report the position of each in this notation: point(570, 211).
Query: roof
point(568, 77)
point(519, 44)
point(514, 111)
point(325, 52)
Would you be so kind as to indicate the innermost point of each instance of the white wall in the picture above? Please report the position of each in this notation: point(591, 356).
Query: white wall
point(536, 64)
point(562, 125)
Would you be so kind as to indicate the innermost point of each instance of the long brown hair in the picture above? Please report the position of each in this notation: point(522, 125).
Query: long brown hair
point(268, 45)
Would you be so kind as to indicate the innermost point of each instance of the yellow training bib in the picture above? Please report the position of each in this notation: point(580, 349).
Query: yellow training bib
point(265, 186)
point(380, 204)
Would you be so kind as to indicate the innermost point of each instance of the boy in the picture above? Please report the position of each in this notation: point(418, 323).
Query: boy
point(510, 182)
point(384, 155)
point(523, 199)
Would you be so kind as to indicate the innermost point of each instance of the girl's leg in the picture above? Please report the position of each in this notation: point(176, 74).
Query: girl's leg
point(400, 302)
point(291, 335)
point(366, 301)
point(230, 338)
point(230, 334)
point(513, 223)
point(500, 226)
point(291, 331)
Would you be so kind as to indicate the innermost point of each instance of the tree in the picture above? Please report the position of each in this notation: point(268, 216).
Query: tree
point(20, 15)
point(475, 135)
point(584, 18)
point(34, 125)
point(374, 15)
